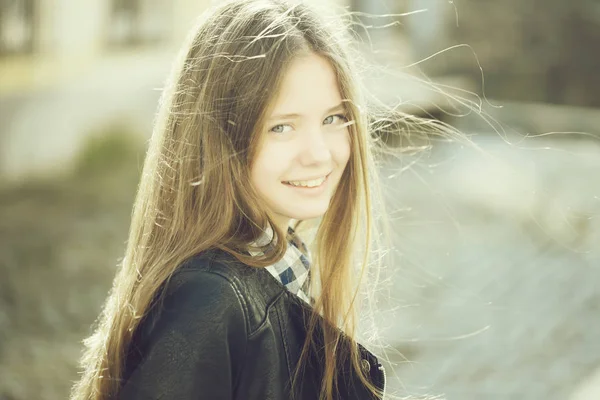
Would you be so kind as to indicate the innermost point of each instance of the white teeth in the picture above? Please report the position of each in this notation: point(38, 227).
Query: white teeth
point(313, 183)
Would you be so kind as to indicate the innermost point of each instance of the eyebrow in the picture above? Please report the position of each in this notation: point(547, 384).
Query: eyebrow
point(294, 115)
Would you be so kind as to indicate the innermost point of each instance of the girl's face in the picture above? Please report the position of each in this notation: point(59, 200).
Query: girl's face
point(305, 144)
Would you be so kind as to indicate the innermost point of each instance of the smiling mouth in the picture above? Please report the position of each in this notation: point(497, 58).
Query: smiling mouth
point(313, 183)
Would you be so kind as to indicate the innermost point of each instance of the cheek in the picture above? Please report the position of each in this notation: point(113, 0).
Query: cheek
point(257, 170)
point(341, 149)
point(269, 163)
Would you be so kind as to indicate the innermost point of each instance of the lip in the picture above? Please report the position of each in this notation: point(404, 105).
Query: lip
point(310, 179)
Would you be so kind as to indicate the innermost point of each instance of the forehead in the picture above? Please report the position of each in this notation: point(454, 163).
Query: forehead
point(309, 86)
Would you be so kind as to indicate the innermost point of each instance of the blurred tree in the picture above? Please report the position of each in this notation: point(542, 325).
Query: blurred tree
point(135, 22)
point(17, 26)
point(534, 50)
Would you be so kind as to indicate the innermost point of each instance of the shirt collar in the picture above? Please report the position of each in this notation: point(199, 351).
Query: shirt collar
point(293, 270)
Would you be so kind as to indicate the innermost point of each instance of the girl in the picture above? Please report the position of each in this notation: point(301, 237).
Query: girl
point(217, 297)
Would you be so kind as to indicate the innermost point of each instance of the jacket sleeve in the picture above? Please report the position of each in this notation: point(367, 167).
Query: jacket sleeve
point(194, 346)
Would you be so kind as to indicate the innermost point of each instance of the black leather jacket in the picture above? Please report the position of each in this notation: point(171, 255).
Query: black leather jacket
point(227, 331)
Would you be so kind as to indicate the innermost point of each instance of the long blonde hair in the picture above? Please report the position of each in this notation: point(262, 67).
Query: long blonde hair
point(194, 192)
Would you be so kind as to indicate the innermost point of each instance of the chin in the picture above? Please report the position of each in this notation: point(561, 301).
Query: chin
point(308, 214)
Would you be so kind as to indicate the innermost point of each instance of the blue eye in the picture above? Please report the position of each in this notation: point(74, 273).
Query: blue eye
point(279, 128)
point(340, 117)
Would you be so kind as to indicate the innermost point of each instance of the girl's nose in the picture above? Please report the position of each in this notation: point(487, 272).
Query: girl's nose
point(316, 149)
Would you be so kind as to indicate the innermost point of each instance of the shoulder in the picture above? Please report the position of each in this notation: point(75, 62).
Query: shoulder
point(197, 289)
point(195, 334)
point(196, 305)
point(216, 281)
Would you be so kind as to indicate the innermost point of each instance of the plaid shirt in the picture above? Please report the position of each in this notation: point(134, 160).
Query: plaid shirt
point(293, 270)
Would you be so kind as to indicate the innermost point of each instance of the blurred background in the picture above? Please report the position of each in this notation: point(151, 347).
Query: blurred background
point(494, 280)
